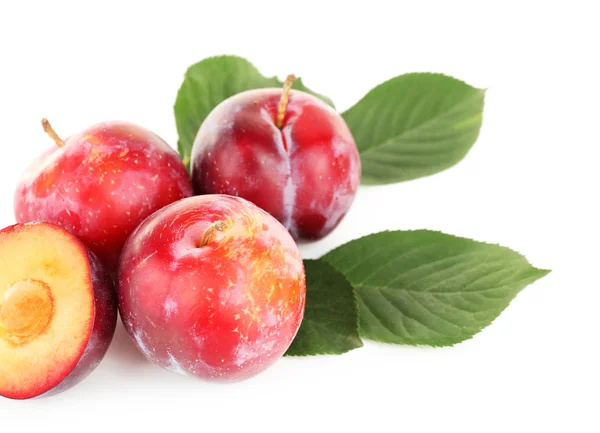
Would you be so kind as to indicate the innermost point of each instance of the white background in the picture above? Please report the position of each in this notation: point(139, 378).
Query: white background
point(530, 183)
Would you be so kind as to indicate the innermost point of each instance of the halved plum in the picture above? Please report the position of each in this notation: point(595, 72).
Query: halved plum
point(58, 310)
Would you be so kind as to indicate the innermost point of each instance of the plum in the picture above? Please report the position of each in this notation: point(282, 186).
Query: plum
point(286, 151)
point(101, 183)
point(212, 286)
point(58, 311)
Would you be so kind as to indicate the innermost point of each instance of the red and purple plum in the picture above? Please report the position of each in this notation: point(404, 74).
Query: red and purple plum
point(101, 183)
point(58, 311)
point(289, 153)
point(212, 286)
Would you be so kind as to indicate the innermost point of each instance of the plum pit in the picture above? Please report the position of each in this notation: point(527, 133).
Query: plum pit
point(26, 311)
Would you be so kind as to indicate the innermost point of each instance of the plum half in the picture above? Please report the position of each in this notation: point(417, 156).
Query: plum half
point(58, 310)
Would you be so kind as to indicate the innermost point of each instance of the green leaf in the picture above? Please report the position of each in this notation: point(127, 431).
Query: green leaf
point(330, 324)
point(208, 83)
point(428, 288)
point(414, 125)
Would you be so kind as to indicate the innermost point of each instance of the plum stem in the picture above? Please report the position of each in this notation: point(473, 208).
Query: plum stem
point(52, 133)
point(210, 232)
point(287, 86)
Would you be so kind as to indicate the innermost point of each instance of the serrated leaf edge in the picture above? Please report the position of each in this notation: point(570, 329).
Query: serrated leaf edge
point(440, 343)
point(366, 180)
point(449, 342)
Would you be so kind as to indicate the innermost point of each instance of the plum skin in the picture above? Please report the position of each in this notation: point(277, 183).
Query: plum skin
point(101, 184)
point(222, 307)
point(305, 174)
